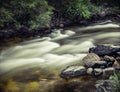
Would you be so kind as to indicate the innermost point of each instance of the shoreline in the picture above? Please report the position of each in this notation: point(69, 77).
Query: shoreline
point(12, 37)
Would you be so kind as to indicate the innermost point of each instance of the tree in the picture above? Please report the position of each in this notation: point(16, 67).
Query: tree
point(34, 14)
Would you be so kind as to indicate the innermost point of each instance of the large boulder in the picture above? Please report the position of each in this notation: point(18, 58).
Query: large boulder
point(91, 57)
point(102, 50)
point(73, 71)
point(93, 60)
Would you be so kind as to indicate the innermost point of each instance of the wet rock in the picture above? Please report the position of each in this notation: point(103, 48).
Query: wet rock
point(108, 71)
point(22, 32)
point(118, 59)
point(97, 72)
point(6, 34)
point(102, 50)
point(93, 60)
point(110, 60)
point(96, 64)
point(90, 71)
point(73, 71)
point(104, 86)
point(99, 64)
point(91, 57)
point(118, 53)
point(104, 22)
point(116, 64)
point(61, 25)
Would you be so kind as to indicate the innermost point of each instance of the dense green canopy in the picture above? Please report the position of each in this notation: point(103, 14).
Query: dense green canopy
point(36, 14)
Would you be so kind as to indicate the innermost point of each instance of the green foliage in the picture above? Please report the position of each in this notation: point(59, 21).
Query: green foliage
point(115, 79)
point(36, 14)
point(82, 8)
point(114, 4)
point(32, 13)
point(41, 21)
point(5, 16)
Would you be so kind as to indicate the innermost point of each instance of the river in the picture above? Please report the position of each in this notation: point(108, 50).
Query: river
point(35, 65)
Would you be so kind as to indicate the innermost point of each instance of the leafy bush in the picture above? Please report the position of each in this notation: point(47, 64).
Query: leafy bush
point(5, 16)
point(31, 13)
point(82, 8)
point(114, 4)
point(116, 81)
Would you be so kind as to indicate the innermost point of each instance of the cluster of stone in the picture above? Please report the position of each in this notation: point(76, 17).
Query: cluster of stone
point(105, 86)
point(101, 60)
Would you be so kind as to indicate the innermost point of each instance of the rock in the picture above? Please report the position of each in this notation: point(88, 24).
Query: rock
point(55, 33)
point(97, 72)
point(108, 71)
point(116, 64)
point(99, 64)
point(73, 71)
point(61, 25)
point(109, 60)
point(23, 32)
point(118, 59)
point(104, 86)
point(93, 60)
point(118, 53)
point(104, 22)
point(102, 50)
point(91, 57)
point(69, 32)
point(90, 71)
point(96, 64)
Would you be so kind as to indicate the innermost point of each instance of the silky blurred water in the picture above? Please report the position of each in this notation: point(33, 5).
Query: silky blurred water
point(40, 60)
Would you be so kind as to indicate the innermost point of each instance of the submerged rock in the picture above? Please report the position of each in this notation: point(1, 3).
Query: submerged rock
point(73, 71)
point(102, 50)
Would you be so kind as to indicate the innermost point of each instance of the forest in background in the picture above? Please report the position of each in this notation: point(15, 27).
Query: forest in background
point(39, 14)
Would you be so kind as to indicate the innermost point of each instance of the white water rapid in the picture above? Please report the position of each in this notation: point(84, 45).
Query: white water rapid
point(59, 49)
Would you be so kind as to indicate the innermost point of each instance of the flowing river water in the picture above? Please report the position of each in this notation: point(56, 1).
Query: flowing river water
point(35, 65)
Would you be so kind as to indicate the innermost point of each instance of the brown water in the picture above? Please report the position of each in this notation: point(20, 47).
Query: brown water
point(35, 65)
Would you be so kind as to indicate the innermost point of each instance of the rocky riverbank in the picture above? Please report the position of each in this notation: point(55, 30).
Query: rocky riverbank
point(102, 60)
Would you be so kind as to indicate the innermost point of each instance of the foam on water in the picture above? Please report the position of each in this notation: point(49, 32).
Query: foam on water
point(109, 25)
point(49, 52)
